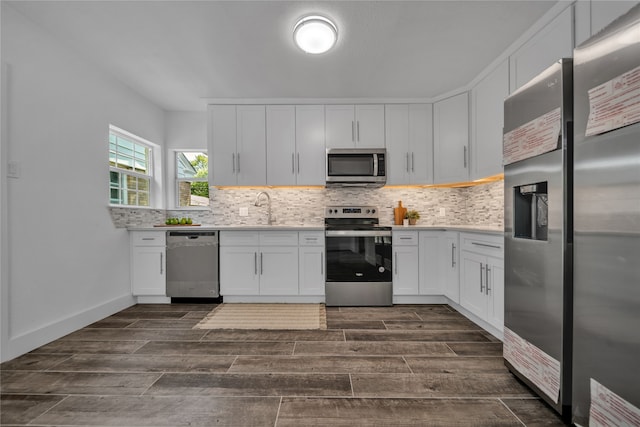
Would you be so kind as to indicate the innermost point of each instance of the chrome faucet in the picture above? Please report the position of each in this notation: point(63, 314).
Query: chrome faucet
point(257, 203)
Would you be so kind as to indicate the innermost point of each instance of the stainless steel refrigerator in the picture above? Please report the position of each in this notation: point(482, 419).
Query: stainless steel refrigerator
point(606, 363)
point(538, 234)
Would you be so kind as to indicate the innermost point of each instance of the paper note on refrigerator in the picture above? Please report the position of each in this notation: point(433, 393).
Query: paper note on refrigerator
point(540, 368)
point(609, 409)
point(533, 138)
point(615, 103)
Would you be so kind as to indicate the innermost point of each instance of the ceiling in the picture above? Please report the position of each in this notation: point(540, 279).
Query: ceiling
point(182, 54)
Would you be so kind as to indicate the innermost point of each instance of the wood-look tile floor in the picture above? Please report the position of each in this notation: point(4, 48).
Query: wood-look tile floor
point(391, 366)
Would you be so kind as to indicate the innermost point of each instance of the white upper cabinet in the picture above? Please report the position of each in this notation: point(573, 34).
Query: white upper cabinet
point(281, 145)
point(237, 144)
point(222, 145)
point(351, 126)
point(251, 145)
point(451, 139)
point(487, 108)
point(409, 140)
point(310, 149)
point(551, 43)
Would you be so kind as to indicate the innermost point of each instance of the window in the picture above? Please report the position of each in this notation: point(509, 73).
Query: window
point(192, 182)
point(130, 169)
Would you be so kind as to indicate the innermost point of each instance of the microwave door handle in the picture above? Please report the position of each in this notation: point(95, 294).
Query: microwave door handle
point(375, 165)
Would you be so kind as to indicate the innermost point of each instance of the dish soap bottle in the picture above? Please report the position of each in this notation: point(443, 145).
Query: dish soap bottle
point(398, 213)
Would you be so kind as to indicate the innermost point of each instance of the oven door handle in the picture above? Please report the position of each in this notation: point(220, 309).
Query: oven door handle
point(357, 233)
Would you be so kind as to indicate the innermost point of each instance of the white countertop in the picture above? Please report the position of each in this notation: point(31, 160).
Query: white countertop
point(247, 227)
point(240, 227)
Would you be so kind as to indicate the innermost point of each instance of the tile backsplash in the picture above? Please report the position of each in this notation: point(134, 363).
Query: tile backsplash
point(479, 205)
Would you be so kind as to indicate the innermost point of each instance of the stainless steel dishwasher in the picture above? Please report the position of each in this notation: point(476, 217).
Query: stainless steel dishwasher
point(192, 264)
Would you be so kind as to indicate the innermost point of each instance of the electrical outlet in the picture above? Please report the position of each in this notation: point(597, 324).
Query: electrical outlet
point(442, 212)
point(244, 211)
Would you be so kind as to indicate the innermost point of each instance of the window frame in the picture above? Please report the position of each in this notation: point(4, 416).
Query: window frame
point(153, 149)
point(177, 180)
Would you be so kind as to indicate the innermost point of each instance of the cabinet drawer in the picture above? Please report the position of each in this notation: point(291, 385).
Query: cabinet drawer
point(405, 238)
point(486, 244)
point(148, 238)
point(239, 238)
point(311, 238)
point(279, 238)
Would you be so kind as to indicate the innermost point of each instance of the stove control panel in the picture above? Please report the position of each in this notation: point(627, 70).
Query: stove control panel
point(351, 212)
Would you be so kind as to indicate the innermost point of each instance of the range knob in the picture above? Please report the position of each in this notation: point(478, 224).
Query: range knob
point(368, 211)
point(330, 211)
point(373, 211)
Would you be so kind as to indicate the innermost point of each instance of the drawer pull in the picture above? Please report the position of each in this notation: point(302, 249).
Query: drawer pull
point(486, 245)
point(148, 238)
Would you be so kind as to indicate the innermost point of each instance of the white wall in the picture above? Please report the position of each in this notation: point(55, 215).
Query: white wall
point(184, 131)
point(66, 264)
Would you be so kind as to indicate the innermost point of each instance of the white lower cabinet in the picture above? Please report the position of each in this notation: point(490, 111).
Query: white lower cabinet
point(406, 271)
point(258, 263)
point(482, 277)
point(148, 263)
point(422, 264)
point(239, 270)
point(311, 263)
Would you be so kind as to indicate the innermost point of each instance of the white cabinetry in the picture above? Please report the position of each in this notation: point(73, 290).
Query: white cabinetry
point(409, 141)
point(311, 263)
point(406, 272)
point(551, 43)
point(237, 137)
point(430, 277)
point(258, 263)
point(310, 148)
point(281, 144)
point(487, 99)
point(350, 126)
point(482, 277)
point(295, 145)
point(451, 139)
point(148, 263)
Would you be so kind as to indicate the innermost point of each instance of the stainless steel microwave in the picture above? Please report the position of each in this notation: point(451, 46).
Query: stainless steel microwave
point(356, 167)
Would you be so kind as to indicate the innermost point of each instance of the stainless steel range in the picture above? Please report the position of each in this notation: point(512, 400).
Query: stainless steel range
point(358, 257)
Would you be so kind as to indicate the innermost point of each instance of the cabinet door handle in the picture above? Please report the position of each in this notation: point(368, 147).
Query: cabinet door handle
point(161, 263)
point(358, 130)
point(298, 156)
point(238, 168)
point(255, 263)
point(412, 163)
point(395, 261)
point(322, 263)
point(453, 259)
point(465, 156)
point(261, 266)
point(353, 130)
point(233, 162)
point(481, 273)
point(293, 164)
point(487, 270)
point(407, 161)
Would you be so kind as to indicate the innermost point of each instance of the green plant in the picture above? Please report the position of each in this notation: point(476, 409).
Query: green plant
point(412, 214)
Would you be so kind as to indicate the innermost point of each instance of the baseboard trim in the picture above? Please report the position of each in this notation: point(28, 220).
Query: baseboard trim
point(419, 299)
point(478, 321)
point(25, 342)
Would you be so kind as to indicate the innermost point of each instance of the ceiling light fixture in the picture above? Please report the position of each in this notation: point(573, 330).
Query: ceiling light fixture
point(315, 34)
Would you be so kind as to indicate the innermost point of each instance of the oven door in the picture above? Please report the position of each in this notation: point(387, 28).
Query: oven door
point(358, 267)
